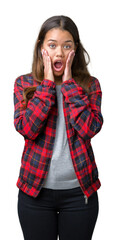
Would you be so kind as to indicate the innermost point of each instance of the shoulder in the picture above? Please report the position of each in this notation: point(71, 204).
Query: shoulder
point(94, 84)
point(25, 81)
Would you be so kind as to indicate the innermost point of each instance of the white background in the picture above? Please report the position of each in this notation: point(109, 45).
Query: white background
point(20, 23)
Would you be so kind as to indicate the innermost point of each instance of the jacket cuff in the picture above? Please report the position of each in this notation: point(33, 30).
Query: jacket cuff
point(69, 81)
point(74, 89)
point(48, 83)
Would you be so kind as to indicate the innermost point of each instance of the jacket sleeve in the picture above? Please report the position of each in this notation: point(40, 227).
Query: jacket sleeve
point(84, 109)
point(29, 122)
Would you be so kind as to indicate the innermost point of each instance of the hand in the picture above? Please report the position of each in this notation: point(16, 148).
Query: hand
point(48, 73)
point(67, 72)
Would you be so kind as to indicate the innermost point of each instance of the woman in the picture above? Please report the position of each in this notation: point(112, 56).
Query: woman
point(58, 111)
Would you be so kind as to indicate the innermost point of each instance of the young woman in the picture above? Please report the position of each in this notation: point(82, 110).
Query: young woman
point(58, 111)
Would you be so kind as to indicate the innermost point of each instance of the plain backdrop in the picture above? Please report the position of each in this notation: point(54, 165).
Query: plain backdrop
point(20, 22)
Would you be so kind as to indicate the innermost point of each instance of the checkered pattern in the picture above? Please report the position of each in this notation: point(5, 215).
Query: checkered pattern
point(37, 123)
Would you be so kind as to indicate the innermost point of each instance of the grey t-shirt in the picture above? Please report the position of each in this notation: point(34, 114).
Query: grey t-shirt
point(61, 174)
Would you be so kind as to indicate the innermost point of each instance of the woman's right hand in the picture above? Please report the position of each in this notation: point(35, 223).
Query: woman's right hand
point(48, 72)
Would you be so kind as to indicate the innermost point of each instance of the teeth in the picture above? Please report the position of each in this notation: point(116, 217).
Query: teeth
point(58, 62)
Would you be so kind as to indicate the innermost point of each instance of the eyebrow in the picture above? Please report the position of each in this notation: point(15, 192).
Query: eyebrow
point(52, 40)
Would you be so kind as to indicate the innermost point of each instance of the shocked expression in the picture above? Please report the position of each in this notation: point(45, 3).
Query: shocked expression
point(58, 44)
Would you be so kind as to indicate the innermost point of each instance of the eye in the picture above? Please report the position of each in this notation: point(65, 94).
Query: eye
point(67, 46)
point(52, 46)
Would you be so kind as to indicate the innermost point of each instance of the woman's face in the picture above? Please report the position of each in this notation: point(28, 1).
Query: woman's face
point(58, 43)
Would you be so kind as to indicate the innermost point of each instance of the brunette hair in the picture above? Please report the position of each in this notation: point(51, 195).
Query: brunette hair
point(79, 66)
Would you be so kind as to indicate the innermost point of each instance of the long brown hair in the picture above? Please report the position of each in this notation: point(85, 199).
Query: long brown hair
point(79, 66)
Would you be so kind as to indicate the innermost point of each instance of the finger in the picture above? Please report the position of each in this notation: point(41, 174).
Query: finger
point(48, 73)
point(70, 57)
point(43, 55)
point(42, 51)
point(46, 55)
point(46, 58)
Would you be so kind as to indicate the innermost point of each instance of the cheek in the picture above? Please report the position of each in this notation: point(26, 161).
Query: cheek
point(50, 53)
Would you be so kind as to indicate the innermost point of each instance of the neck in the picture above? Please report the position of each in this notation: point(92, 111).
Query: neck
point(58, 80)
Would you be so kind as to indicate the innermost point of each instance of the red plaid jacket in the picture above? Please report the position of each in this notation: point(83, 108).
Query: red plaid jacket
point(37, 123)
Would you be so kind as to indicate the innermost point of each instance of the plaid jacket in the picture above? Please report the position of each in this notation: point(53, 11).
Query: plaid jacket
point(37, 123)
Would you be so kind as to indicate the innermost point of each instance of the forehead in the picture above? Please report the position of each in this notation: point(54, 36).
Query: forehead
point(58, 35)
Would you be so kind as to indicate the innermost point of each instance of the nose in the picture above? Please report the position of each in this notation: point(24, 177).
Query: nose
point(60, 52)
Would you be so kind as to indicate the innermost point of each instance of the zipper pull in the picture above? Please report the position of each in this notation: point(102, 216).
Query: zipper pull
point(86, 199)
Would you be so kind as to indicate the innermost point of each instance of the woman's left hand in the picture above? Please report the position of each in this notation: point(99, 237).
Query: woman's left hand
point(67, 72)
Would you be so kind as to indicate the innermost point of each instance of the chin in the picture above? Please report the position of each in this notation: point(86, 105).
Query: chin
point(58, 74)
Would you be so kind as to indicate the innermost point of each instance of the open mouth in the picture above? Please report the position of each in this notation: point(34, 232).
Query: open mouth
point(58, 66)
